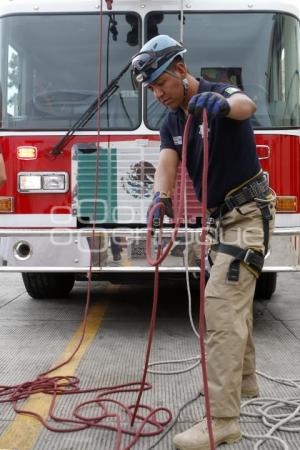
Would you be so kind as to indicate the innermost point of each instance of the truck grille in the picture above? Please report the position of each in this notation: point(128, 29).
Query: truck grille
point(124, 189)
point(105, 194)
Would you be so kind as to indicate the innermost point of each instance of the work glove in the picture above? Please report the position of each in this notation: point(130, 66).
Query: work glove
point(157, 217)
point(215, 104)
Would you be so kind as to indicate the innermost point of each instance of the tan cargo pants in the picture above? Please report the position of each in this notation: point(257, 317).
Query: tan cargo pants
point(229, 315)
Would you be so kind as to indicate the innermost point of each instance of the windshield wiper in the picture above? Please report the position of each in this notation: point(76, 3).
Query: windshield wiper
point(90, 112)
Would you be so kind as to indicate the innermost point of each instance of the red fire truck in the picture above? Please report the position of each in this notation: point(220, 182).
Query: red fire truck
point(80, 141)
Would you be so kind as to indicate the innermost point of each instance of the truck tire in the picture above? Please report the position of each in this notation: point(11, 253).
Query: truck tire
point(265, 286)
point(48, 285)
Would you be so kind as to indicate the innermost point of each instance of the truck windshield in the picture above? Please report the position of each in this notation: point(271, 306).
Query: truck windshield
point(259, 52)
point(49, 72)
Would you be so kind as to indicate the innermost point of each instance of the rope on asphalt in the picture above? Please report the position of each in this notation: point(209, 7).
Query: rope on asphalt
point(267, 409)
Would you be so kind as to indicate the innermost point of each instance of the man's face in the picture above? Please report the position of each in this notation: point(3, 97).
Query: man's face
point(168, 90)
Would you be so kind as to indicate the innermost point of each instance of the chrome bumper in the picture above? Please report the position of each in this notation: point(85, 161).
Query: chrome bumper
point(122, 250)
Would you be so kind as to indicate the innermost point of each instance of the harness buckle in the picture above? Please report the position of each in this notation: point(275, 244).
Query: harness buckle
point(254, 259)
point(248, 256)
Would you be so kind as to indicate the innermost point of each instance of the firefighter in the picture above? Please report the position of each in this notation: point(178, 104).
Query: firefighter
point(241, 209)
point(2, 170)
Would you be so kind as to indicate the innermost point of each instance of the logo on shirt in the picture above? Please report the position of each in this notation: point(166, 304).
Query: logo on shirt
point(177, 140)
point(231, 90)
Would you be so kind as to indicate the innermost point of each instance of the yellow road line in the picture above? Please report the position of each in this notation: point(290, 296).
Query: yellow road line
point(24, 430)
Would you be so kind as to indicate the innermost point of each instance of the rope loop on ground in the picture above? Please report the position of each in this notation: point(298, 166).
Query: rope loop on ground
point(277, 414)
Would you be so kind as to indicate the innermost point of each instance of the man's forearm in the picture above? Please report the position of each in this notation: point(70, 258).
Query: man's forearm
point(164, 182)
point(241, 107)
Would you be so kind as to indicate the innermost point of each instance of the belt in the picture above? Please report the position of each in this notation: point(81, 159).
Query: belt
point(257, 188)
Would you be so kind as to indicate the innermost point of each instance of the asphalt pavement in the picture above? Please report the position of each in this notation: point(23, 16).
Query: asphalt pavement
point(37, 334)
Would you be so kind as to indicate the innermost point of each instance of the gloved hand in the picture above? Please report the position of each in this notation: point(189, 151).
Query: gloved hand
point(167, 202)
point(215, 104)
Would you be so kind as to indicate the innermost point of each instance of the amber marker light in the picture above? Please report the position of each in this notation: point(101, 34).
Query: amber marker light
point(286, 203)
point(26, 152)
point(6, 204)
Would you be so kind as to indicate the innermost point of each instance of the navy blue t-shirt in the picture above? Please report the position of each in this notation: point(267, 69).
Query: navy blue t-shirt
point(232, 150)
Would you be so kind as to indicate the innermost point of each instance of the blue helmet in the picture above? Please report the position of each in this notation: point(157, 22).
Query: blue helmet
point(155, 57)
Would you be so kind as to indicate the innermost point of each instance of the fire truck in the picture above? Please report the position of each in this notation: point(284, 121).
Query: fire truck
point(81, 141)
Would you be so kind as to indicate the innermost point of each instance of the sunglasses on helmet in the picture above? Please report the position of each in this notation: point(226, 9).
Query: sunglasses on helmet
point(144, 63)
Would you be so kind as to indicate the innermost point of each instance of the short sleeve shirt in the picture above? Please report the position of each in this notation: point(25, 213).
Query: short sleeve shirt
point(232, 149)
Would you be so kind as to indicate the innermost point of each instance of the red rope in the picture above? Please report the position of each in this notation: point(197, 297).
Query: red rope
point(161, 256)
point(79, 420)
point(68, 385)
point(151, 333)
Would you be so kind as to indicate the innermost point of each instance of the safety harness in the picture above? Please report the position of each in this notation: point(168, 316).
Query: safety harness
point(256, 189)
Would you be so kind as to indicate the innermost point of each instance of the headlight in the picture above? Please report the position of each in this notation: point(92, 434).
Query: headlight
point(43, 182)
point(30, 182)
point(54, 182)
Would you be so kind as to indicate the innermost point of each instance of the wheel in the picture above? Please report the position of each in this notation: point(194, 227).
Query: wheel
point(265, 286)
point(48, 285)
